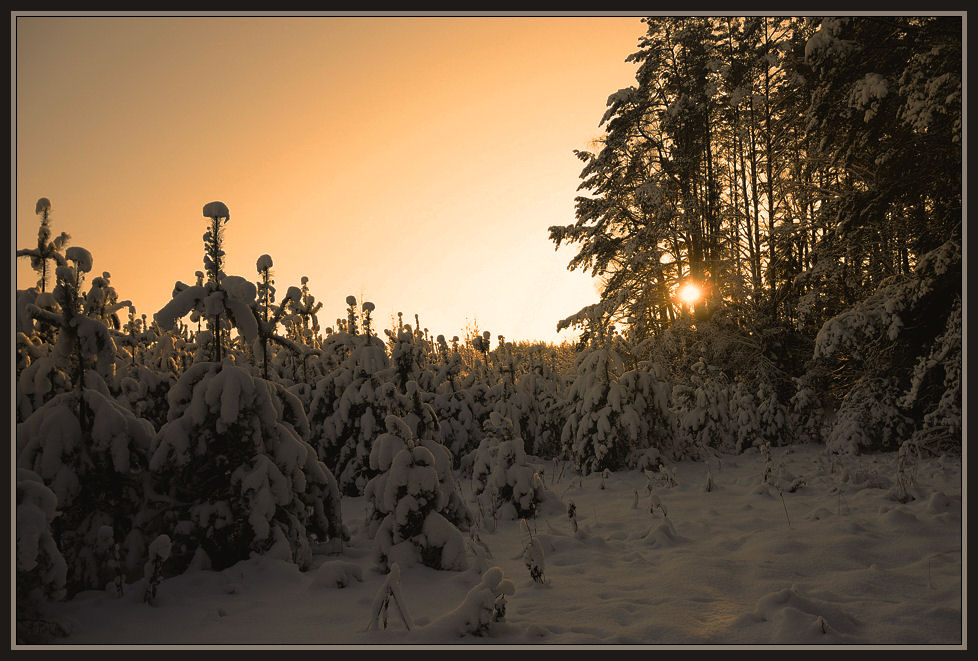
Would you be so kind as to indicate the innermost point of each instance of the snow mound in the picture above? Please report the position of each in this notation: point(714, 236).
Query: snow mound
point(483, 606)
point(939, 503)
point(663, 536)
point(801, 619)
point(336, 574)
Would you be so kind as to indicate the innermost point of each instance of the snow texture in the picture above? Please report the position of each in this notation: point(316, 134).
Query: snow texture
point(854, 568)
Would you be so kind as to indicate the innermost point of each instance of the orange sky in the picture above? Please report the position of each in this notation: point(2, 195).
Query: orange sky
point(417, 160)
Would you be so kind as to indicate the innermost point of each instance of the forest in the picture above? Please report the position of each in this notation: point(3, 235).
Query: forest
point(803, 174)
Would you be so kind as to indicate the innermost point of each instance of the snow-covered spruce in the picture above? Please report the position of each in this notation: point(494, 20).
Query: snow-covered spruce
point(47, 249)
point(165, 351)
point(940, 371)
point(757, 417)
point(224, 300)
point(474, 407)
point(89, 449)
point(415, 509)
point(24, 322)
point(646, 414)
point(226, 305)
point(702, 410)
point(96, 472)
point(807, 413)
point(80, 343)
point(501, 475)
point(503, 396)
point(102, 302)
point(145, 393)
point(41, 378)
point(41, 571)
point(869, 418)
point(885, 313)
point(236, 474)
point(910, 319)
point(412, 406)
point(601, 430)
point(302, 332)
point(408, 356)
point(539, 389)
point(267, 315)
point(483, 607)
point(347, 410)
point(455, 408)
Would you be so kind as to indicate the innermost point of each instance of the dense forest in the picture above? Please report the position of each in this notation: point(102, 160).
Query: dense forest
point(803, 173)
point(806, 175)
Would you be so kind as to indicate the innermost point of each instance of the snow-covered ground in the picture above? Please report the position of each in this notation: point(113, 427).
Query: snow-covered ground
point(837, 562)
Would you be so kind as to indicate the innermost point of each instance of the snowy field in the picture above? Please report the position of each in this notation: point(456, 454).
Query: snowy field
point(836, 562)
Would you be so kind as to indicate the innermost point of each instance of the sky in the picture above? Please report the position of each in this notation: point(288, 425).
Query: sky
point(416, 162)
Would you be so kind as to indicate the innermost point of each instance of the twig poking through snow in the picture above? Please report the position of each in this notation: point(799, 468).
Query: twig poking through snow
point(391, 590)
point(159, 551)
point(533, 554)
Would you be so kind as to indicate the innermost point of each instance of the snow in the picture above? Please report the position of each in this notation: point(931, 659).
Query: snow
point(853, 567)
point(615, 101)
point(480, 608)
point(36, 508)
point(337, 574)
point(81, 257)
point(44, 441)
point(116, 431)
point(440, 533)
point(36, 549)
point(184, 300)
point(823, 40)
point(216, 210)
point(866, 94)
point(240, 288)
point(159, 548)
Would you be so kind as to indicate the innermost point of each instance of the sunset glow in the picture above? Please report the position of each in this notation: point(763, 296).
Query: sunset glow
point(353, 331)
point(415, 162)
point(689, 293)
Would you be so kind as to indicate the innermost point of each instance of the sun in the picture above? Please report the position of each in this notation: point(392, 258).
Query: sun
point(689, 293)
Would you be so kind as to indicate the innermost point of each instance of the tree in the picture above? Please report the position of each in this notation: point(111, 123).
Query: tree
point(415, 508)
point(47, 249)
point(41, 569)
point(224, 300)
point(88, 449)
point(500, 471)
point(236, 473)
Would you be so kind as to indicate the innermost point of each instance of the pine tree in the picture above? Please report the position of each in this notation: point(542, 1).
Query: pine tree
point(237, 472)
point(224, 300)
point(416, 512)
point(89, 449)
point(47, 249)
